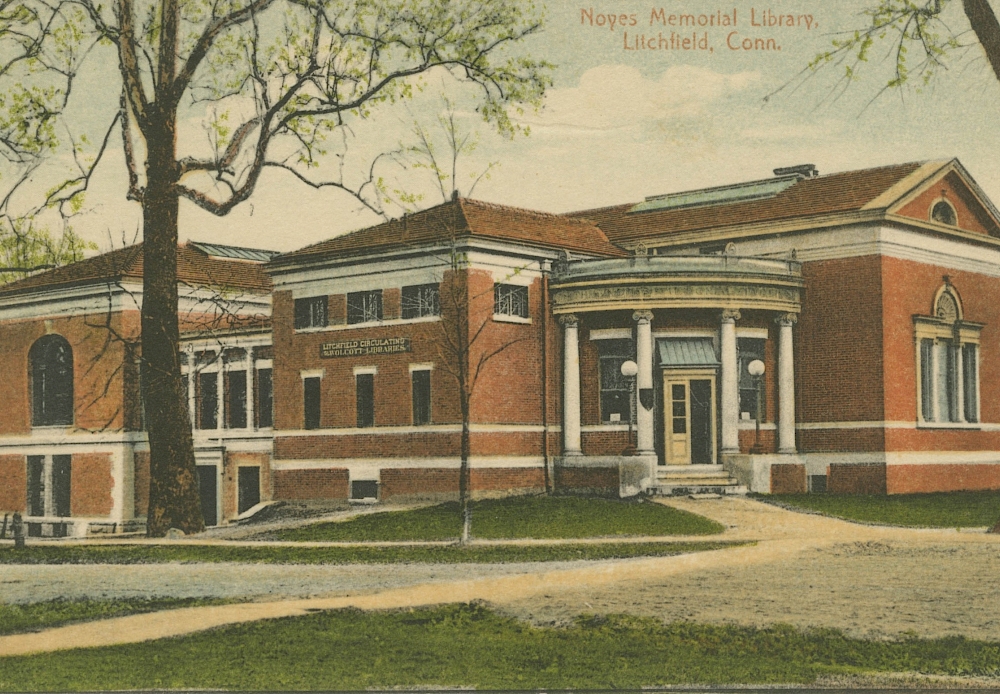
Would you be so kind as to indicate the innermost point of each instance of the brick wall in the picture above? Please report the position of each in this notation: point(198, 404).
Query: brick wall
point(768, 440)
point(141, 463)
point(838, 350)
point(968, 210)
point(13, 483)
point(310, 484)
point(605, 442)
point(911, 479)
point(443, 482)
point(910, 290)
point(392, 303)
point(601, 481)
point(98, 383)
point(788, 478)
point(91, 484)
point(856, 479)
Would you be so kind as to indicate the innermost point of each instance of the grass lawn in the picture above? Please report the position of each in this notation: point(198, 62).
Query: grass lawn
point(53, 613)
point(435, 554)
point(463, 645)
point(511, 518)
point(938, 510)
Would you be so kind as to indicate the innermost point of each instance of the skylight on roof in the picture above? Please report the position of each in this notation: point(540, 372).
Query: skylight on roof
point(738, 192)
point(235, 252)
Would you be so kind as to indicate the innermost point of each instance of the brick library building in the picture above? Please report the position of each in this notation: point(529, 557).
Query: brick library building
point(833, 333)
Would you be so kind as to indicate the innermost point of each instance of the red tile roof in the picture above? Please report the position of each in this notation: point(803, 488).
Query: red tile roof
point(840, 192)
point(194, 267)
point(464, 218)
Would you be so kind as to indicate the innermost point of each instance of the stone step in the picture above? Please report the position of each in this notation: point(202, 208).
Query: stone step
point(697, 481)
point(707, 476)
point(688, 490)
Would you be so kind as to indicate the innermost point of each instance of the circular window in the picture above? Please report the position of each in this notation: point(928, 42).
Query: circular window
point(943, 212)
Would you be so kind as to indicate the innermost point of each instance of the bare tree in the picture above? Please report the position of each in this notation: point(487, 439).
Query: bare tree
point(463, 342)
point(916, 37)
point(278, 83)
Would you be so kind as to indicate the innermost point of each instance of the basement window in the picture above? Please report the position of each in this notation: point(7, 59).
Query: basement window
point(364, 490)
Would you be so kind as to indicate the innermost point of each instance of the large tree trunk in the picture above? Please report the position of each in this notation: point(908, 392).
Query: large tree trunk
point(987, 29)
point(463, 471)
point(173, 485)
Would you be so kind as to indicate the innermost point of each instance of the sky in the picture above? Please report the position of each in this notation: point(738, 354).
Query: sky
point(623, 122)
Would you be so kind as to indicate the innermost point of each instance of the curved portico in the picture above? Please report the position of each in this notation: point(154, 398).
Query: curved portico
point(682, 317)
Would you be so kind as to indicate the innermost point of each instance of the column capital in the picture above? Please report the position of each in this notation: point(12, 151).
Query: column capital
point(731, 315)
point(569, 320)
point(787, 319)
point(642, 316)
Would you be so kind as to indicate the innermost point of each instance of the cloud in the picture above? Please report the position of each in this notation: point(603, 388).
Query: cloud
point(612, 98)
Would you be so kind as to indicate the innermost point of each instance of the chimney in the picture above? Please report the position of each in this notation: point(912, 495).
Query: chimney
point(801, 170)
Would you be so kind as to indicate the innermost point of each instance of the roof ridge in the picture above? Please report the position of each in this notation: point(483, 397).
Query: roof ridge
point(523, 210)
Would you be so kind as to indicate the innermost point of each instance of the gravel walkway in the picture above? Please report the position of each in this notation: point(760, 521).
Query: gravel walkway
point(36, 583)
point(805, 570)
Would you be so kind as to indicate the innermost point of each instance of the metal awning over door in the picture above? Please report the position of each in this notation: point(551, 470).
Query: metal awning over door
point(687, 352)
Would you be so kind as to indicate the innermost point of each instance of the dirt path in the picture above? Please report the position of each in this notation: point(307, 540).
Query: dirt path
point(806, 570)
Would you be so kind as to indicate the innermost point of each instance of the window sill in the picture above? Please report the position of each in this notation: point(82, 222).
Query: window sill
point(973, 426)
point(607, 426)
point(503, 318)
point(369, 324)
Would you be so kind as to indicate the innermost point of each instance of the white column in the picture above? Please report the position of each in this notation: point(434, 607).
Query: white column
point(571, 385)
point(644, 381)
point(729, 391)
point(220, 391)
point(190, 382)
point(250, 386)
point(786, 384)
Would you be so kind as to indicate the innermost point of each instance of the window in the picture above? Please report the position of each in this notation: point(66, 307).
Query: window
point(947, 362)
point(943, 212)
point(364, 307)
point(510, 300)
point(749, 349)
point(365, 390)
point(421, 300)
point(615, 388)
point(311, 312)
point(207, 400)
point(236, 399)
point(364, 489)
point(49, 480)
point(265, 399)
point(311, 397)
point(421, 396)
point(36, 485)
point(51, 365)
point(61, 476)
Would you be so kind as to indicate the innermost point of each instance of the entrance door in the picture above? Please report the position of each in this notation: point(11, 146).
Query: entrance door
point(689, 418)
point(249, 484)
point(208, 489)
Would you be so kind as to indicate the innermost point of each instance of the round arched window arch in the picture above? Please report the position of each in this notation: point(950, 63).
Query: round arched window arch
point(50, 363)
point(943, 212)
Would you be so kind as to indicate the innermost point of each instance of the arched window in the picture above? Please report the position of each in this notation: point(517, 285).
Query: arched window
point(51, 365)
point(947, 362)
point(943, 212)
